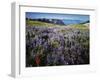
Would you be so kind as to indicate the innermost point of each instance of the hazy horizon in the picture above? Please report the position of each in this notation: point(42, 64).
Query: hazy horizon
point(37, 15)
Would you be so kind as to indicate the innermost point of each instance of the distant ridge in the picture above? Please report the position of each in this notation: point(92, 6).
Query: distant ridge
point(54, 21)
point(85, 22)
point(59, 21)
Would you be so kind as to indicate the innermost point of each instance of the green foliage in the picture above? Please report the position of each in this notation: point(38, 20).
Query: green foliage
point(39, 23)
point(39, 49)
point(80, 26)
point(55, 44)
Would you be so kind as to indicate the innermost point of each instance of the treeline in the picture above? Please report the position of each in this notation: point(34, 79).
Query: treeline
point(54, 21)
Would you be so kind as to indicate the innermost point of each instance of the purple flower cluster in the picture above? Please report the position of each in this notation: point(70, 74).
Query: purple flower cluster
point(56, 46)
